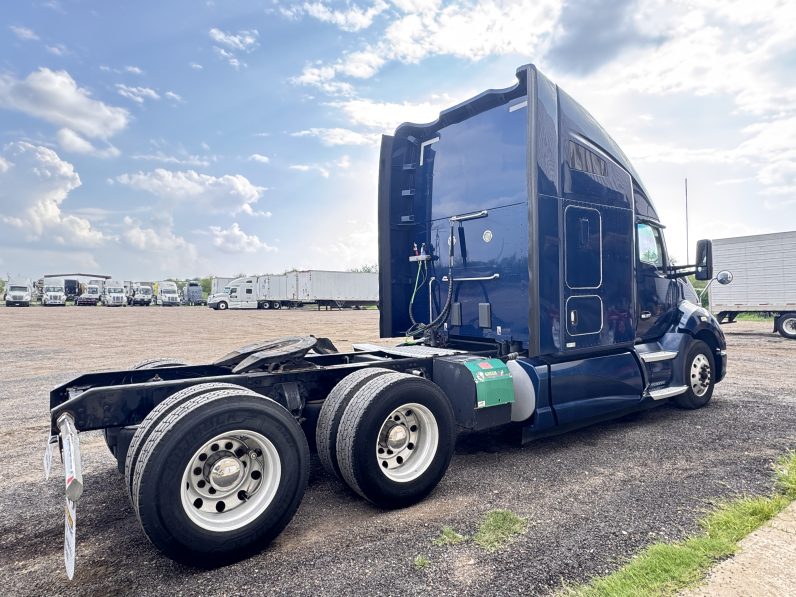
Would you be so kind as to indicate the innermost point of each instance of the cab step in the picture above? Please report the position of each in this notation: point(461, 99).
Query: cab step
point(660, 355)
point(663, 393)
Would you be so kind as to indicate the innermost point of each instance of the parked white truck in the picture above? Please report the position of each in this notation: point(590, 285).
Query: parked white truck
point(91, 295)
point(114, 294)
point(53, 293)
point(142, 294)
point(763, 270)
point(19, 293)
point(167, 294)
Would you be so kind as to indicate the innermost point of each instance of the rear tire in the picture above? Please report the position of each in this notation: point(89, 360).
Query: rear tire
point(239, 522)
point(156, 415)
point(699, 376)
point(391, 467)
point(786, 325)
point(332, 412)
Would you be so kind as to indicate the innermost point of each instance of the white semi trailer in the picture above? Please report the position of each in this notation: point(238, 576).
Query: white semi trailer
point(297, 288)
point(763, 267)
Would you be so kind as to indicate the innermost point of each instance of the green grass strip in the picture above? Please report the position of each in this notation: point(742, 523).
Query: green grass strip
point(666, 568)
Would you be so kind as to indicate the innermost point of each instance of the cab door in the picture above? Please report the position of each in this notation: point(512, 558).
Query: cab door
point(656, 294)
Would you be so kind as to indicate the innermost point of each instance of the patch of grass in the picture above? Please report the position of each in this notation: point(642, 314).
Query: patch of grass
point(498, 528)
point(449, 537)
point(421, 561)
point(666, 568)
point(753, 317)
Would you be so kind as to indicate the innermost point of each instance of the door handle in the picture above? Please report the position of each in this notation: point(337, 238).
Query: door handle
point(573, 317)
point(646, 315)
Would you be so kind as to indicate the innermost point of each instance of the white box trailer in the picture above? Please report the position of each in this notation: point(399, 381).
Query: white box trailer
point(297, 288)
point(337, 289)
point(217, 285)
point(764, 279)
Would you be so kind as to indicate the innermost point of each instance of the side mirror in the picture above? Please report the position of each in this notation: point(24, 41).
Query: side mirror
point(724, 277)
point(704, 260)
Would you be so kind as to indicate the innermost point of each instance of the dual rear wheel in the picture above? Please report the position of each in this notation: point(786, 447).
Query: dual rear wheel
point(215, 472)
point(388, 436)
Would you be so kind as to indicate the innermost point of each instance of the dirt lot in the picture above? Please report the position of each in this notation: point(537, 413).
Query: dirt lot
point(592, 497)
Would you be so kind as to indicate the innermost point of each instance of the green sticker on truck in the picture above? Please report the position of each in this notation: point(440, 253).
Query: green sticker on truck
point(493, 383)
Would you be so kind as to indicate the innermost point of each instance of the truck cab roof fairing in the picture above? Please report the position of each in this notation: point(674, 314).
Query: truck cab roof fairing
point(566, 107)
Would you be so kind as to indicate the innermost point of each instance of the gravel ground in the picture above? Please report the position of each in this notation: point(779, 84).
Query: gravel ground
point(592, 498)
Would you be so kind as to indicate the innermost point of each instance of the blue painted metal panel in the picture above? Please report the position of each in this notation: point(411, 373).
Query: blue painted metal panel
point(496, 244)
point(591, 387)
point(480, 163)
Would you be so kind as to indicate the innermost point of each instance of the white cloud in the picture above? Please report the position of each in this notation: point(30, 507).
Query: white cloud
point(225, 194)
point(231, 59)
point(23, 33)
point(70, 141)
point(245, 40)
point(137, 94)
point(196, 66)
point(55, 97)
point(57, 49)
point(338, 136)
point(322, 170)
point(34, 183)
point(467, 30)
point(235, 240)
point(175, 97)
point(134, 70)
point(354, 18)
point(182, 160)
point(229, 43)
point(386, 116)
point(258, 157)
point(159, 238)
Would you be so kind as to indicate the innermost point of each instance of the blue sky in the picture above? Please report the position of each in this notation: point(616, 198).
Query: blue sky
point(156, 139)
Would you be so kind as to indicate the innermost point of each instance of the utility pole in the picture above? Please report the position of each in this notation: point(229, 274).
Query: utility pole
point(687, 243)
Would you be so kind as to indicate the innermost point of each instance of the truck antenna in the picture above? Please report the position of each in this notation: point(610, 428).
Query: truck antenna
point(687, 245)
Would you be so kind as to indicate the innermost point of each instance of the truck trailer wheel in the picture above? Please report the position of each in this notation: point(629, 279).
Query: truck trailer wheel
point(220, 477)
point(396, 439)
point(156, 415)
point(699, 376)
point(332, 412)
point(786, 325)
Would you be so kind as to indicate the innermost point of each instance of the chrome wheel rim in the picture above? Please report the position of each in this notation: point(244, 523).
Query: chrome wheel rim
point(407, 442)
point(700, 375)
point(230, 481)
point(789, 325)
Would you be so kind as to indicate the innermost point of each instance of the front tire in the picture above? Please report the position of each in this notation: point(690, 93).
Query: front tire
point(699, 376)
point(220, 477)
point(786, 325)
point(396, 439)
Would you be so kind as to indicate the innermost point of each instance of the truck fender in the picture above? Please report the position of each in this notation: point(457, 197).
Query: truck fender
point(700, 324)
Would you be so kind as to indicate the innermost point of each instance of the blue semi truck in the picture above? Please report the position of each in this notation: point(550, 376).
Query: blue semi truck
point(523, 261)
